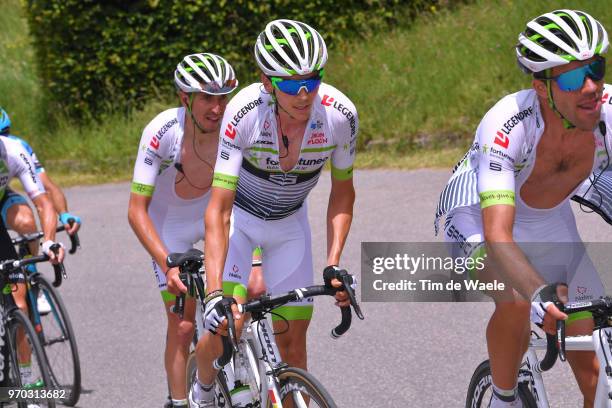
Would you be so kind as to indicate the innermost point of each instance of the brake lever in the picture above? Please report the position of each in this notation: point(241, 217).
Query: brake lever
point(75, 242)
point(347, 282)
point(561, 339)
point(231, 325)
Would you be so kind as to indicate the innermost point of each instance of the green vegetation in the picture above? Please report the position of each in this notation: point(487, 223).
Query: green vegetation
point(420, 90)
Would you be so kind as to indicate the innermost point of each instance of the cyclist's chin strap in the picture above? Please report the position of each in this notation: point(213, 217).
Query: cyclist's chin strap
point(193, 119)
point(566, 123)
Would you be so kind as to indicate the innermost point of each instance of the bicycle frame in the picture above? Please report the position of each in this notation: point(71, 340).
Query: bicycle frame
point(600, 341)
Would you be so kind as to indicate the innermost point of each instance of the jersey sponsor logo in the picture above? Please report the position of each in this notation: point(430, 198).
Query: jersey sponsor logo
point(316, 125)
point(502, 140)
point(606, 98)
point(495, 166)
point(263, 142)
point(230, 145)
point(162, 131)
point(30, 169)
point(267, 135)
point(317, 138)
point(266, 124)
point(516, 119)
point(244, 110)
point(230, 131)
point(224, 155)
point(283, 179)
point(148, 161)
point(154, 143)
point(501, 154)
point(329, 101)
point(311, 162)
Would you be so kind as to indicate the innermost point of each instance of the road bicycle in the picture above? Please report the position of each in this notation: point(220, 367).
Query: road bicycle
point(53, 325)
point(251, 371)
point(21, 347)
point(530, 382)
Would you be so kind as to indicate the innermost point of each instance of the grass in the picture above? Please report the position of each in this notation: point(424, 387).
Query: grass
point(420, 90)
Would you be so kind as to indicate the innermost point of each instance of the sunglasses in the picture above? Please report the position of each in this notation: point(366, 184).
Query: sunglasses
point(573, 80)
point(294, 86)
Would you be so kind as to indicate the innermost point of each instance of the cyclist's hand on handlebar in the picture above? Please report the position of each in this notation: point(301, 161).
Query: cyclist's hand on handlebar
point(65, 219)
point(175, 286)
point(214, 315)
point(342, 298)
point(55, 251)
point(544, 310)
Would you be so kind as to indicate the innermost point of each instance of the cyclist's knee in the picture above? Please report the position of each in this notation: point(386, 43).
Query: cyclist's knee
point(184, 331)
point(21, 219)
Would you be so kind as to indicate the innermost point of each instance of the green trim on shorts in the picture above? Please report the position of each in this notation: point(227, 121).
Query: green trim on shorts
point(167, 296)
point(225, 181)
point(257, 252)
point(342, 174)
point(480, 252)
point(293, 313)
point(490, 198)
point(574, 317)
point(7, 289)
point(142, 189)
point(234, 289)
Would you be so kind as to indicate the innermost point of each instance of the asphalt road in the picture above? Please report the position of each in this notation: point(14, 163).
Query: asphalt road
point(402, 355)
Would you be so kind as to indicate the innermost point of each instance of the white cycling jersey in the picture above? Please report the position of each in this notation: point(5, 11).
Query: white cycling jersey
point(249, 149)
point(269, 208)
point(15, 161)
point(504, 150)
point(178, 221)
point(492, 172)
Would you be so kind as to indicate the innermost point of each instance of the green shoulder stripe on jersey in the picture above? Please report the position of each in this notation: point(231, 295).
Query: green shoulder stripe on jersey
point(225, 181)
point(292, 313)
point(142, 189)
point(490, 198)
point(342, 174)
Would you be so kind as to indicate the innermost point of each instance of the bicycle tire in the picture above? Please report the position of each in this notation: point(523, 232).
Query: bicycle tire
point(294, 379)
point(57, 333)
point(39, 362)
point(481, 388)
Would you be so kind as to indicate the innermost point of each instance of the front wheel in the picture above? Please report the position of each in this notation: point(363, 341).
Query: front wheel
point(299, 389)
point(59, 342)
point(480, 389)
point(28, 365)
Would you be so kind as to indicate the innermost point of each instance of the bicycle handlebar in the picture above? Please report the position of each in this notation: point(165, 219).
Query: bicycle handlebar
point(75, 242)
point(13, 264)
point(555, 345)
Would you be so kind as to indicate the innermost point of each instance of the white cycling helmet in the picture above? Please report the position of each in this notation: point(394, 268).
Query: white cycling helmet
point(559, 37)
point(288, 47)
point(205, 72)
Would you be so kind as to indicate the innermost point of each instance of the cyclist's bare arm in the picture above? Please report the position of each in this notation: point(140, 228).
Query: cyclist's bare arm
point(143, 227)
point(48, 222)
point(217, 225)
point(58, 199)
point(509, 259)
point(339, 218)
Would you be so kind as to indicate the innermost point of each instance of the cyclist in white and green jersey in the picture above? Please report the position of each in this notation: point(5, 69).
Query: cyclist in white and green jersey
point(171, 189)
point(532, 151)
point(276, 137)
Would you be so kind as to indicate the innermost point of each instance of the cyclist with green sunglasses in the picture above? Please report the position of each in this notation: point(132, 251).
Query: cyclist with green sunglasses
point(276, 137)
point(532, 151)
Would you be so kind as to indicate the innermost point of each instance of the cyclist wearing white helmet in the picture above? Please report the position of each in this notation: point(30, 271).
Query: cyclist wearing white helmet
point(276, 137)
point(532, 151)
point(171, 188)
